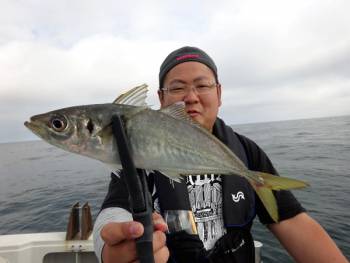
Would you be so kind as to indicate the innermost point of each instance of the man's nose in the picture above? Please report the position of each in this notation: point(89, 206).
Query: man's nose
point(191, 95)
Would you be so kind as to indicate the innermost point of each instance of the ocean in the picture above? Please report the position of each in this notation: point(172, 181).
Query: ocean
point(39, 183)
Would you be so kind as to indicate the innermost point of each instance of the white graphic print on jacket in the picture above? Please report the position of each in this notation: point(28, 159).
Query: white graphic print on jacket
point(205, 196)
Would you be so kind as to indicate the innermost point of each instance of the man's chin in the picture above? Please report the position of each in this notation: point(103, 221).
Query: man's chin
point(201, 122)
point(196, 118)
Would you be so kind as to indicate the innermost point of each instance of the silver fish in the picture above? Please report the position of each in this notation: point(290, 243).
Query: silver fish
point(166, 140)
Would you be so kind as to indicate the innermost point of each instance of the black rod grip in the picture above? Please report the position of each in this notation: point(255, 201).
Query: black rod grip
point(139, 196)
point(144, 243)
point(136, 197)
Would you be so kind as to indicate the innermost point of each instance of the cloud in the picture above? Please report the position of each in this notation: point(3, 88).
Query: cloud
point(276, 60)
point(38, 77)
point(87, 69)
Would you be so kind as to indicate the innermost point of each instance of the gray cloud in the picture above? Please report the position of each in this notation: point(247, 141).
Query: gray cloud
point(277, 60)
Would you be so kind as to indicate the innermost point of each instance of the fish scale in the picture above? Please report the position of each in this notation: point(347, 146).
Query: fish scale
point(177, 152)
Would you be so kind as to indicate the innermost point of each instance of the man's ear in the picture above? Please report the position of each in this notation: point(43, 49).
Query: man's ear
point(218, 90)
point(161, 97)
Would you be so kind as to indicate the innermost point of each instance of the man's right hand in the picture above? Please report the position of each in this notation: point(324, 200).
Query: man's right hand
point(120, 246)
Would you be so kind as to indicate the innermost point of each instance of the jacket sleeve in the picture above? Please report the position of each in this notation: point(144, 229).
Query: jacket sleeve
point(107, 215)
point(288, 205)
point(115, 208)
point(117, 195)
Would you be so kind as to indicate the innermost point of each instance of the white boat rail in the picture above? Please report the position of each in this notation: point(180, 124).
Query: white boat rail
point(53, 248)
point(45, 247)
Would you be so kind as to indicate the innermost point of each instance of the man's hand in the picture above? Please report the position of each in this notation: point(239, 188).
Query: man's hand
point(120, 246)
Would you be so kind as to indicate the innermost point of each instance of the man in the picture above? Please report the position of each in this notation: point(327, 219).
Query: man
point(223, 219)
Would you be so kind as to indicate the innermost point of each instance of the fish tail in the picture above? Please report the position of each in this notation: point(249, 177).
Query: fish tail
point(277, 182)
point(264, 183)
point(268, 199)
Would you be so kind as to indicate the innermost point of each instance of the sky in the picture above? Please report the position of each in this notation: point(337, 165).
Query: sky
point(277, 60)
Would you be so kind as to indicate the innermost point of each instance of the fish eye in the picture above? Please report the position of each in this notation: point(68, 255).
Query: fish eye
point(58, 123)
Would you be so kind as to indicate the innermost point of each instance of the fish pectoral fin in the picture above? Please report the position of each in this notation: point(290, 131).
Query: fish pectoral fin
point(172, 175)
point(105, 134)
point(136, 96)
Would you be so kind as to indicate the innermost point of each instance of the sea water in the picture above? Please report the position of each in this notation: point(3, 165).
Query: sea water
point(39, 183)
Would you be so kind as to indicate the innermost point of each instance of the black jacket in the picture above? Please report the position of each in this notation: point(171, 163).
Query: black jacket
point(237, 245)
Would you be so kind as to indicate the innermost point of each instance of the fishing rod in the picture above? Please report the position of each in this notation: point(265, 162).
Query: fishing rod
point(139, 196)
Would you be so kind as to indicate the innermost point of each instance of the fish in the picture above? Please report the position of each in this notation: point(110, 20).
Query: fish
point(165, 140)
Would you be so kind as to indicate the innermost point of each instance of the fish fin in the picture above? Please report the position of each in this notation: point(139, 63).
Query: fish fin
point(268, 199)
point(264, 183)
point(105, 134)
point(115, 168)
point(172, 175)
point(279, 183)
point(177, 111)
point(136, 96)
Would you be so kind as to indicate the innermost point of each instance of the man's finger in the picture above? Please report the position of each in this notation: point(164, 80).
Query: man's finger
point(162, 255)
point(124, 252)
point(114, 233)
point(161, 251)
point(159, 223)
point(159, 240)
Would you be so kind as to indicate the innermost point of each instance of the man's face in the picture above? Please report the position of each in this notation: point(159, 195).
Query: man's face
point(203, 108)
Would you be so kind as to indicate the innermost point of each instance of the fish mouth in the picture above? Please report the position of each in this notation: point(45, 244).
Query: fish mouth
point(33, 126)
